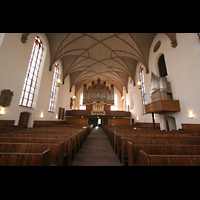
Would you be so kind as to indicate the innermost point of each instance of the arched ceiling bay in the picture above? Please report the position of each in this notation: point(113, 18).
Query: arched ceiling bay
point(112, 57)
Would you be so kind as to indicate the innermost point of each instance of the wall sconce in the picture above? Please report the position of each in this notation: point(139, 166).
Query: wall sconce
point(191, 115)
point(122, 99)
point(137, 118)
point(41, 115)
point(59, 82)
point(139, 84)
point(2, 111)
point(56, 116)
point(74, 98)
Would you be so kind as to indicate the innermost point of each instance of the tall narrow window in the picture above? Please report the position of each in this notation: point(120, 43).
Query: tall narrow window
point(124, 93)
point(32, 74)
point(144, 97)
point(82, 107)
point(115, 107)
point(131, 91)
point(162, 66)
point(53, 88)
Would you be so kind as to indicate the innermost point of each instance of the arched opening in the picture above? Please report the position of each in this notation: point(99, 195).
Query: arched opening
point(82, 107)
point(162, 66)
point(115, 106)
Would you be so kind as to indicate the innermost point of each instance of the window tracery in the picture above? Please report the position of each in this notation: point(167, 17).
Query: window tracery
point(32, 74)
point(143, 90)
point(53, 89)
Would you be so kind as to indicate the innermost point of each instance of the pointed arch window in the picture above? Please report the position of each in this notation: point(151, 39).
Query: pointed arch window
point(82, 107)
point(53, 88)
point(115, 107)
point(143, 90)
point(162, 66)
point(131, 91)
point(124, 93)
point(32, 74)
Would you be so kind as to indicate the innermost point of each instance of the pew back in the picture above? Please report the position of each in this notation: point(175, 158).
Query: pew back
point(25, 159)
point(169, 160)
point(56, 153)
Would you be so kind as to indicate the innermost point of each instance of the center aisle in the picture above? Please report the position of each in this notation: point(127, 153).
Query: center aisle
point(96, 151)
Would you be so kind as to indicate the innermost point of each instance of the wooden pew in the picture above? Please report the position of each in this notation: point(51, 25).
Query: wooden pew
point(39, 140)
point(73, 135)
point(25, 159)
point(121, 145)
point(56, 153)
point(126, 143)
point(134, 151)
point(70, 151)
point(169, 160)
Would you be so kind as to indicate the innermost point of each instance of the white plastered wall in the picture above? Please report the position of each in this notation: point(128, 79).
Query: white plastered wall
point(14, 59)
point(183, 68)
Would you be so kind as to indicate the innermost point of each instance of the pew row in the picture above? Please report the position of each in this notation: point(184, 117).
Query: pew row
point(25, 159)
point(134, 151)
point(56, 153)
point(169, 160)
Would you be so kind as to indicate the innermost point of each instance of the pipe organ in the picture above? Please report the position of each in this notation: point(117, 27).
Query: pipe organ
point(98, 94)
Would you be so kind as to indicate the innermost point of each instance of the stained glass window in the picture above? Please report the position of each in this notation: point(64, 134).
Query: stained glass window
point(82, 107)
point(124, 93)
point(115, 107)
point(53, 88)
point(32, 74)
point(131, 91)
point(144, 97)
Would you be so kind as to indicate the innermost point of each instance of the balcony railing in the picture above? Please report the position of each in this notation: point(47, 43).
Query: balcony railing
point(107, 113)
point(163, 106)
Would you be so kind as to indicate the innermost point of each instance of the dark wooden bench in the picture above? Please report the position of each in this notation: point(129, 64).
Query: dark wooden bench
point(25, 159)
point(152, 140)
point(56, 153)
point(71, 143)
point(126, 143)
point(73, 135)
point(134, 151)
point(168, 160)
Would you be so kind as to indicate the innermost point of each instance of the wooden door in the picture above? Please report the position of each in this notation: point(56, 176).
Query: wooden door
point(23, 120)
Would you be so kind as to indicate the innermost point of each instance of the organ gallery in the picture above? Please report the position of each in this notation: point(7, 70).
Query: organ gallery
point(97, 96)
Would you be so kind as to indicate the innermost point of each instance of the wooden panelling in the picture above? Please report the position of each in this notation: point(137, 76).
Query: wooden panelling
point(76, 120)
point(193, 127)
point(7, 122)
point(147, 124)
point(117, 114)
point(164, 105)
point(36, 123)
point(107, 107)
point(80, 112)
point(119, 121)
point(108, 113)
point(89, 107)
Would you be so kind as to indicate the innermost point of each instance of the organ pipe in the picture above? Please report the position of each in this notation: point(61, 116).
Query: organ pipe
point(98, 93)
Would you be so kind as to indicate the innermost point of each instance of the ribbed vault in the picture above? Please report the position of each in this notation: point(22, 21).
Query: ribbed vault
point(112, 57)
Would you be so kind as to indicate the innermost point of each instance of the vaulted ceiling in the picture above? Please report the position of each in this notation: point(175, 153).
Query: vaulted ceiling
point(112, 57)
